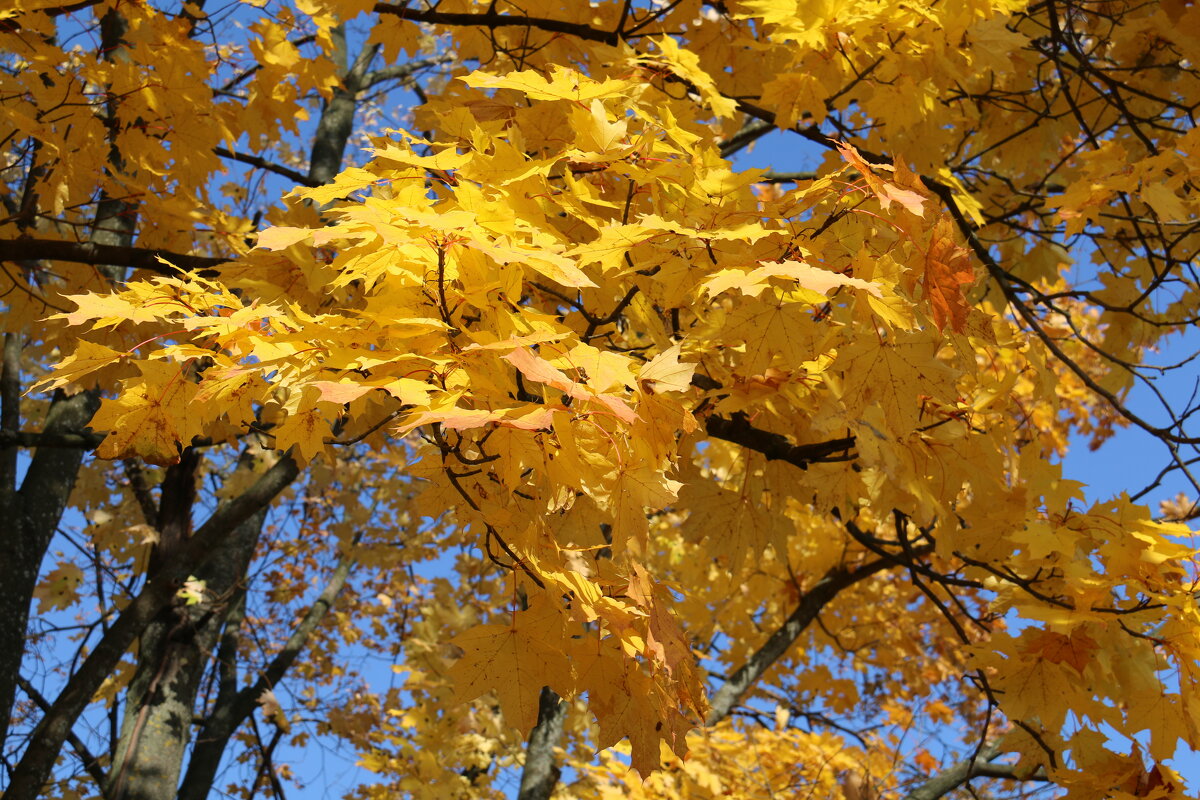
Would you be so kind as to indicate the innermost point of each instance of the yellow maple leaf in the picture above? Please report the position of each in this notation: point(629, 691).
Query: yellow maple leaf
point(87, 359)
point(515, 661)
point(282, 237)
point(538, 369)
point(60, 588)
point(666, 373)
point(152, 418)
point(563, 84)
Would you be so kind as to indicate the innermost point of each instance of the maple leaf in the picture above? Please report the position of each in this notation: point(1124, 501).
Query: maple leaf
point(556, 267)
point(564, 84)
point(593, 129)
point(686, 65)
point(666, 373)
point(282, 237)
point(60, 588)
point(142, 302)
point(446, 159)
point(1077, 650)
point(816, 282)
point(735, 524)
point(234, 389)
point(303, 431)
point(1037, 689)
point(627, 703)
point(772, 330)
point(885, 191)
point(885, 374)
point(87, 359)
point(340, 391)
point(631, 489)
point(153, 417)
point(515, 660)
point(538, 369)
point(947, 270)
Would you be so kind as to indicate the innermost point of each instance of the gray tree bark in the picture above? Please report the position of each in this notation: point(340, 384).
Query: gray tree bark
point(31, 516)
point(175, 655)
point(337, 115)
point(542, 771)
point(35, 766)
point(175, 649)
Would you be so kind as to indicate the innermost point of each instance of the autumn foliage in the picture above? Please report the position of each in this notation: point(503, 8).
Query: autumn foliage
point(458, 335)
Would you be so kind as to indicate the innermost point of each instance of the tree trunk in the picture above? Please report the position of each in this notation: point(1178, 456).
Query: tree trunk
point(31, 517)
point(542, 771)
point(174, 656)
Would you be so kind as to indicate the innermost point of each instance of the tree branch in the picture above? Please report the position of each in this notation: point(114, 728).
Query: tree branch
point(229, 713)
point(104, 254)
point(51, 439)
point(403, 71)
point(90, 762)
point(491, 20)
point(31, 520)
point(35, 766)
point(751, 132)
point(1002, 278)
point(10, 417)
point(977, 767)
point(337, 113)
point(776, 447)
point(541, 772)
point(815, 599)
point(261, 163)
point(788, 177)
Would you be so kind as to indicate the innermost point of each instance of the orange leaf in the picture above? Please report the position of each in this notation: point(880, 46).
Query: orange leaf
point(926, 762)
point(1075, 650)
point(887, 193)
point(947, 270)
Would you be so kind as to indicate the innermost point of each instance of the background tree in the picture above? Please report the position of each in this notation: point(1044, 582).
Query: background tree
point(754, 465)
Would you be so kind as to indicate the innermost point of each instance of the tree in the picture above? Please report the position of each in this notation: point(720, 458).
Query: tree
point(751, 476)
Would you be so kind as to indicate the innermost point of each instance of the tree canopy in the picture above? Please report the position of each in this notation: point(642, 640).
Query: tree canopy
point(453, 342)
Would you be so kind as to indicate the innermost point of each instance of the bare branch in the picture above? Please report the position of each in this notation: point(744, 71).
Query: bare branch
point(402, 72)
point(261, 163)
point(90, 762)
point(980, 766)
point(53, 439)
point(491, 20)
point(232, 709)
point(776, 447)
